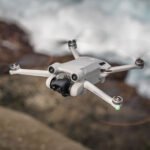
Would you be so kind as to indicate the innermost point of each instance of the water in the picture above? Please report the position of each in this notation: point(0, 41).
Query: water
point(115, 29)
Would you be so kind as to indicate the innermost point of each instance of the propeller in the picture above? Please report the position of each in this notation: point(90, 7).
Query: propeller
point(139, 57)
point(62, 42)
point(70, 43)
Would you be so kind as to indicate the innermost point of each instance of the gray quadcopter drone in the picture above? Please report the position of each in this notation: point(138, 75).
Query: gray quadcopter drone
point(74, 77)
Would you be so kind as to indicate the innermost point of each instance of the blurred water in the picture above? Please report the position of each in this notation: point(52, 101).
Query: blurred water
point(118, 28)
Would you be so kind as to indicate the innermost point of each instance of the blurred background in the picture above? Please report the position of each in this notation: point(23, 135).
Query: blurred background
point(35, 118)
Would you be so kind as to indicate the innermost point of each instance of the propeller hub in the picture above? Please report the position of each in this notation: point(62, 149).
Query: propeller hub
point(14, 67)
point(117, 100)
point(139, 62)
point(72, 44)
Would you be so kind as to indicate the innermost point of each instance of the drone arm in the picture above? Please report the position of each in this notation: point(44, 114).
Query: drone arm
point(122, 68)
point(74, 52)
point(38, 73)
point(89, 86)
point(139, 64)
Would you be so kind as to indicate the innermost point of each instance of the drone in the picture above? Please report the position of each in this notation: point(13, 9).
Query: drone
point(75, 77)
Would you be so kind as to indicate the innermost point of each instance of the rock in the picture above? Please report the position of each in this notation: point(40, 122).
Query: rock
point(86, 119)
point(14, 42)
point(21, 132)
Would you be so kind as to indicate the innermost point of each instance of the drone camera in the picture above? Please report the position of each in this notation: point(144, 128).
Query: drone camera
point(61, 85)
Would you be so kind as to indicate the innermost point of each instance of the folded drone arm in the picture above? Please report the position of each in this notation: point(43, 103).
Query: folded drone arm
point(38, 73)
point(89, 86)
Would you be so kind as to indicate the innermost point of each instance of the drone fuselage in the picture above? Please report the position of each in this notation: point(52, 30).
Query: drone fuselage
point(84, 68)
point(69, 77)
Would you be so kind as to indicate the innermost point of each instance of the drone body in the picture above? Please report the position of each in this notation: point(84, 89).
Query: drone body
point(73, 78)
